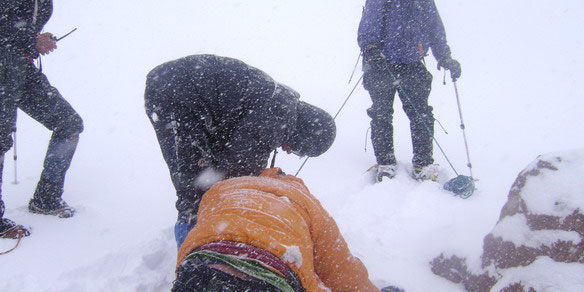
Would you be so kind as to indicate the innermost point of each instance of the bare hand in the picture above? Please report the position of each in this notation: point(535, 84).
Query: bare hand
point(45, 43)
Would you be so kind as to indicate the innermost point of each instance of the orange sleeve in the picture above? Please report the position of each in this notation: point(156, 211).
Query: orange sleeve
point(333, 261)
point(334, 264)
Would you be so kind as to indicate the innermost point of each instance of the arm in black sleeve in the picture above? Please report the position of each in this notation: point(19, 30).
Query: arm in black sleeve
point(246, 152)
point(267, 120)
point(260, 131)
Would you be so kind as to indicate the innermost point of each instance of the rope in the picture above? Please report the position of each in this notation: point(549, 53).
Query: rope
point(355, 68)
point(338, 112)
point(347, 99)
point(20, 235)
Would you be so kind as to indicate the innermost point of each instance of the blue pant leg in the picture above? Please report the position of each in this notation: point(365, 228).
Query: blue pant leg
point(180, 232)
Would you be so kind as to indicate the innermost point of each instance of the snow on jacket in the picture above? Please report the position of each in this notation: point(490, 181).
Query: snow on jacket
point(247, 114)
point(20, 25)
point(278, 214)
point(411, 27)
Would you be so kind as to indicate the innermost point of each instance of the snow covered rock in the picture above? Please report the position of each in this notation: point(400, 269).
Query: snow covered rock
point(538, 242)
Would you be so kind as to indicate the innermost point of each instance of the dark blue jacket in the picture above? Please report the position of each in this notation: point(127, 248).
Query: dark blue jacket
point(411, 28)
point(18, 25)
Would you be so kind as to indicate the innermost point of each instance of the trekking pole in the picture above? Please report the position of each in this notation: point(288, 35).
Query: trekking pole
point(15, 157)
point(338, 112)
point(462, 126)
point(14, 154)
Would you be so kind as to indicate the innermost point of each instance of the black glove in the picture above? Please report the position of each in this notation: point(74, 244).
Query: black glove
point(375, 58)
point(392, 289)
point(452, 65)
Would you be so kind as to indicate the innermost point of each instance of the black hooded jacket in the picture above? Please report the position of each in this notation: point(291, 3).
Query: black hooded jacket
point(246, 113)
point(20, 25)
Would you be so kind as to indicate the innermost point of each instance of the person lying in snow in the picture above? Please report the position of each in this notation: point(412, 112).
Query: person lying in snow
point(267, 233)
point(219, 115)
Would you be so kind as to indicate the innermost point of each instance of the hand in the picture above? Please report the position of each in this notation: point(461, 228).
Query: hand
point(287, 147)
point(45, 43)
point(452, 65)
point(375, 58)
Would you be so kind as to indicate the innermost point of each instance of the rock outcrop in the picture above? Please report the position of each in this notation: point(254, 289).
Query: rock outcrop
point(538, 242)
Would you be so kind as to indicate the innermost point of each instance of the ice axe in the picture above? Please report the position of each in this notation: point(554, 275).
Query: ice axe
point(56, 39)
point(64, 36)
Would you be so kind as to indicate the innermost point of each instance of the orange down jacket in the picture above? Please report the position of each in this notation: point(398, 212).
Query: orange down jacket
point(277, 213)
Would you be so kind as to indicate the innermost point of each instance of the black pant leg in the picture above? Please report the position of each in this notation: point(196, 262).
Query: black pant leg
point(45, 104)
point(12, 81)
point(177, 129)
point(416, 83)
point(2, 208)
point(382, 94)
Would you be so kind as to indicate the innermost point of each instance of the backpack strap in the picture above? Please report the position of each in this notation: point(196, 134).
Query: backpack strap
point(35, 12)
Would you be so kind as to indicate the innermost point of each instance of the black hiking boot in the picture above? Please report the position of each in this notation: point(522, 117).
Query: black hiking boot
point(9, 229)
point(47, 201)
point(392, 289)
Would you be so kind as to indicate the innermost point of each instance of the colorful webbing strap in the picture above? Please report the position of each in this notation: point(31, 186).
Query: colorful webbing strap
point(252, 269)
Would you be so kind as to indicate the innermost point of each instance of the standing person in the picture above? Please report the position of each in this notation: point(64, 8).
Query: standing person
point(267, 233)
point(220, 117)
point(24, 86)
point(394, 36)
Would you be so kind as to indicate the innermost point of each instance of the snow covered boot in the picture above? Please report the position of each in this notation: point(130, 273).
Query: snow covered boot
point(55, 207)
point(47, 201)
point(428, 172)
point(382, 171)
point(9, 229)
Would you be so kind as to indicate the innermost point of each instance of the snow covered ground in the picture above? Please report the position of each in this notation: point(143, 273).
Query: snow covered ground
point(521, 95)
